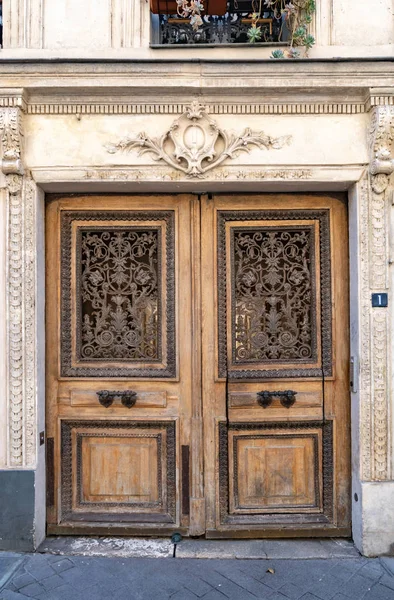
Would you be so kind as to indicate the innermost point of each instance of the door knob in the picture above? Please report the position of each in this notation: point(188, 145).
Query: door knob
point(106, 397)
point(287, 398)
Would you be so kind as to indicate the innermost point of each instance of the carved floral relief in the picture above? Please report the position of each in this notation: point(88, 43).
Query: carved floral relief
point(194, 144)
point(120, 291)
point(273, 288)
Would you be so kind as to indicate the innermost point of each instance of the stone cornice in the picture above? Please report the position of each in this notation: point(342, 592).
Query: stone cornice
point(197, 76)
point(13, 98)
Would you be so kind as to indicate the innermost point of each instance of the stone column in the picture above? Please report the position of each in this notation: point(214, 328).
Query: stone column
point(19, 485)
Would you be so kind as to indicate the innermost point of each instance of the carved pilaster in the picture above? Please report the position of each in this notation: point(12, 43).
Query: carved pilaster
point(374, 330)
point(381, 147)
point(20, 308)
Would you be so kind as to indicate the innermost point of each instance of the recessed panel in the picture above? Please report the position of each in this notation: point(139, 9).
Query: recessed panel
point(275, 471)
point(274, 295)
point(117, 294)
point(118, 470)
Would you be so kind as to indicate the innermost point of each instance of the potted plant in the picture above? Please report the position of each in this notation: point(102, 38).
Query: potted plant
point(295, 17)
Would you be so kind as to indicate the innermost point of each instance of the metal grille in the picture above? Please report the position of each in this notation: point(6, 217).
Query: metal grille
point(273, 295)
point(230, 28)
point(119, 288)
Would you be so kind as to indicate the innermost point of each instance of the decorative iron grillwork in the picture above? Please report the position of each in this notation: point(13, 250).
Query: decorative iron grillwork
point(273, 292)
point(230, 28)
point(120, 294)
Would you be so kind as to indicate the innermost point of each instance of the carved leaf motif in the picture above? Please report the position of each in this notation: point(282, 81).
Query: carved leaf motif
point(190, 156)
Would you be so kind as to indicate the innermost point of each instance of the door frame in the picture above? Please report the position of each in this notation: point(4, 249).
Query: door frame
point(360, 201)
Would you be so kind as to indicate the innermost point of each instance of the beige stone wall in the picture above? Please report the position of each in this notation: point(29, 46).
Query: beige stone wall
point(119, 28)
point(341, 139)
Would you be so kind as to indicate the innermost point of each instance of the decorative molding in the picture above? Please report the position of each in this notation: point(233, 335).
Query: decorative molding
point(14, 98)
point(191, 143)
point(71, 470)
point(29, 320)
point(11, 139)
point(374, 277)
point(380, 368)
point(159, 174)
point(366, 455)
point(379, 97)
point(12, 146)
point(374, 337)
point(381, 137)
point(148, 108)
point(302, 369)
point(163, 366)
point(262, 430)
point(21, 294)
point(374, 328)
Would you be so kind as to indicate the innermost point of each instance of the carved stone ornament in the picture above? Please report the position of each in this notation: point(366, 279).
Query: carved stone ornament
point(381, 147)
point(194, 144)
point(374, 277)
point(21, 290)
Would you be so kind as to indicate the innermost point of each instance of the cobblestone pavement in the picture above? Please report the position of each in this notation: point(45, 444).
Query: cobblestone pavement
point(51, 577)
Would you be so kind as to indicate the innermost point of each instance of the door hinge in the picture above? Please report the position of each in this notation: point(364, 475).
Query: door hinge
point(353, 375)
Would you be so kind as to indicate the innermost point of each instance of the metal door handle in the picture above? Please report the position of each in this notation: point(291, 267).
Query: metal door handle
point(287, 398)
point(106, 397)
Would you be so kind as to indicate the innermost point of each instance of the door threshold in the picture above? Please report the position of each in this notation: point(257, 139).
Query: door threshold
point(123, 547)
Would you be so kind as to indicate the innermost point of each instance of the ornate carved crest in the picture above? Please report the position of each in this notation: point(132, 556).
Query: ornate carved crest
point(194, 144)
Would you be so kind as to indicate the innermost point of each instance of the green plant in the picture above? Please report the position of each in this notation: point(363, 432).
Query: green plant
point(295, 15)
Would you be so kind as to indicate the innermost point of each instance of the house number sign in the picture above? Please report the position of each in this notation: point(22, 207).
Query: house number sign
point(379, 300)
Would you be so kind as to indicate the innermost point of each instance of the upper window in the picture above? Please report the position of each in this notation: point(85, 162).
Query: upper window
point(219, 22)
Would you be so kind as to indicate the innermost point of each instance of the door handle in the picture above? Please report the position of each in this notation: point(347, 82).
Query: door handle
point(106, 397)
point(287, 398)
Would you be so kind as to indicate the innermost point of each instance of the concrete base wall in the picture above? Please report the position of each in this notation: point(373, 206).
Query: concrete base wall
point(373, 528)
point(17, 506)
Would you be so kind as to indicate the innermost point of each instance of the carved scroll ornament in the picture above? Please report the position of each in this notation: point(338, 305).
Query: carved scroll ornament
point(381, 147)
point(194, 144)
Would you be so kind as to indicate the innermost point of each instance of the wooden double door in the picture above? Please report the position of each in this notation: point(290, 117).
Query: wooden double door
point(197, 365)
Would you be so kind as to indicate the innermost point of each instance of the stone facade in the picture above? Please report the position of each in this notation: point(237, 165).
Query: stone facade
point(77, 104)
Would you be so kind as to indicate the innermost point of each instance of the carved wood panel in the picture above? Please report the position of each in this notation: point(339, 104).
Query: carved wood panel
point(118, 294)
point(274, 282)
point(118, 471)
point(276, 472)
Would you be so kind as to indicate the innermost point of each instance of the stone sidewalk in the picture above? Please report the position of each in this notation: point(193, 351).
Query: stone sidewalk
point(85, 574)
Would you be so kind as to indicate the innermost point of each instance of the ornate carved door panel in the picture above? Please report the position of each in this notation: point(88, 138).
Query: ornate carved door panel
point(170, 316)
point(275, 357)
point(120, 370)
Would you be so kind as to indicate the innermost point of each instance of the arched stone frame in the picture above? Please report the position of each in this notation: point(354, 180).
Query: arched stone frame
point(371, 339)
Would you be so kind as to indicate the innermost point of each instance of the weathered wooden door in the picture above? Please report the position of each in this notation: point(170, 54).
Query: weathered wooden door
point(173, 316)
point(120, 370)
point(275, 365)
